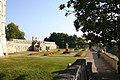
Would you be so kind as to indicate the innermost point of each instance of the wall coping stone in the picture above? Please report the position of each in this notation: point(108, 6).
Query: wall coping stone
point(73, 72)
point(111, 56)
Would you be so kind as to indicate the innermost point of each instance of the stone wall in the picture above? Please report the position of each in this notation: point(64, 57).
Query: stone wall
point(111, 59)
point(51, 45)
point(77, 71)
point(17, 45)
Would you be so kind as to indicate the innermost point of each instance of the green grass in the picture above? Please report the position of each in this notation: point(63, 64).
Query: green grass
point(72, 54)
point(20, 66)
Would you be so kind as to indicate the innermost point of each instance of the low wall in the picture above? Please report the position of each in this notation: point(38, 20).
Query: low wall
point(77, 71)
point(51, 45)
point(16, 45)
point(111, 59)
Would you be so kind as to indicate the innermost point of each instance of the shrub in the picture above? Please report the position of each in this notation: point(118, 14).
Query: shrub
point(80, 53)
point(66, 51)
point(32, 53)
point(46, 54)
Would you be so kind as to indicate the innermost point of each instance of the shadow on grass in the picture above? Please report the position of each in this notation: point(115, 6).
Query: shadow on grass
point(21, 77)
point(58, 72)
point(61, 56)
point(2, 75)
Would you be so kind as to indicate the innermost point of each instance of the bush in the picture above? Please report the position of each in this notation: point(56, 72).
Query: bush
point(46, 54)
point(32, 53)
point(66, 51)
point(80, 53)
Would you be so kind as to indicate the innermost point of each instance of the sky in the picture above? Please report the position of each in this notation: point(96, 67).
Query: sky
point(40, 18)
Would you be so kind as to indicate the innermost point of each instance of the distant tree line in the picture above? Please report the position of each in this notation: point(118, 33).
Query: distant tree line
point(13, 32)
point(61, 39)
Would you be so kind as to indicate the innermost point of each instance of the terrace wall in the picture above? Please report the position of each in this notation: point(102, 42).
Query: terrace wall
point(17, 45)
point(77, 71)
point(111, 59)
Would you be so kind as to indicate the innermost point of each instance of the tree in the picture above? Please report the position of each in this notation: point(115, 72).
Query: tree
point(13, 32)
point(61, 39)
point(99, 20)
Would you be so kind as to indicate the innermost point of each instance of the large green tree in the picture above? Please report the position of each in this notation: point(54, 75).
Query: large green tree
point(99, 20)
point(61, 39)
point(13, 32)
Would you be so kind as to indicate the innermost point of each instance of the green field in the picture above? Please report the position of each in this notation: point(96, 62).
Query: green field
point(21, 66)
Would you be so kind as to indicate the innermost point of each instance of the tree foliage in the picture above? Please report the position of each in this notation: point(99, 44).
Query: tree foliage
point(99, 20)
point(61, 39)
point(13, 32)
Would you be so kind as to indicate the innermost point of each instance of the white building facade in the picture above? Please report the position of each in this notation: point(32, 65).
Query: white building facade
point(2, 28)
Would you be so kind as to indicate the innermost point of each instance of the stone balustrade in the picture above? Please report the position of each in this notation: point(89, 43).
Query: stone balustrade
point(77, 71)
point(111, 59)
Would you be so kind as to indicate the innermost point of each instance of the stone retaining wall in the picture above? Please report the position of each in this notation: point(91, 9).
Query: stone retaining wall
point(51, 45)
point(111, 59)
point(77, 71)
point(16, 45)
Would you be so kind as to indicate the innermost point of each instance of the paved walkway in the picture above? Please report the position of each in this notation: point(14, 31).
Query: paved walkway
point(101, 70)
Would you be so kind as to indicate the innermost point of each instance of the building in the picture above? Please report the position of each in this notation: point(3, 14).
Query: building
point(2, 27)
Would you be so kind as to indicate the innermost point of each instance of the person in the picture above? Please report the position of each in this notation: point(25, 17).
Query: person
point(98, 53)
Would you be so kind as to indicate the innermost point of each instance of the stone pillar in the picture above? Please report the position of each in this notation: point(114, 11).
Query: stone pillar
point(35, 38)
point(66, 45)
point(2, 28)
point(32, 38)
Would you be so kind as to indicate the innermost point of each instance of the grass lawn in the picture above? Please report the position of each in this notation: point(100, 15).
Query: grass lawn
point(20, 66)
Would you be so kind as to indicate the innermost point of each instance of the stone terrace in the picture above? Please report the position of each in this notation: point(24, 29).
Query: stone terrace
point(100, 68)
